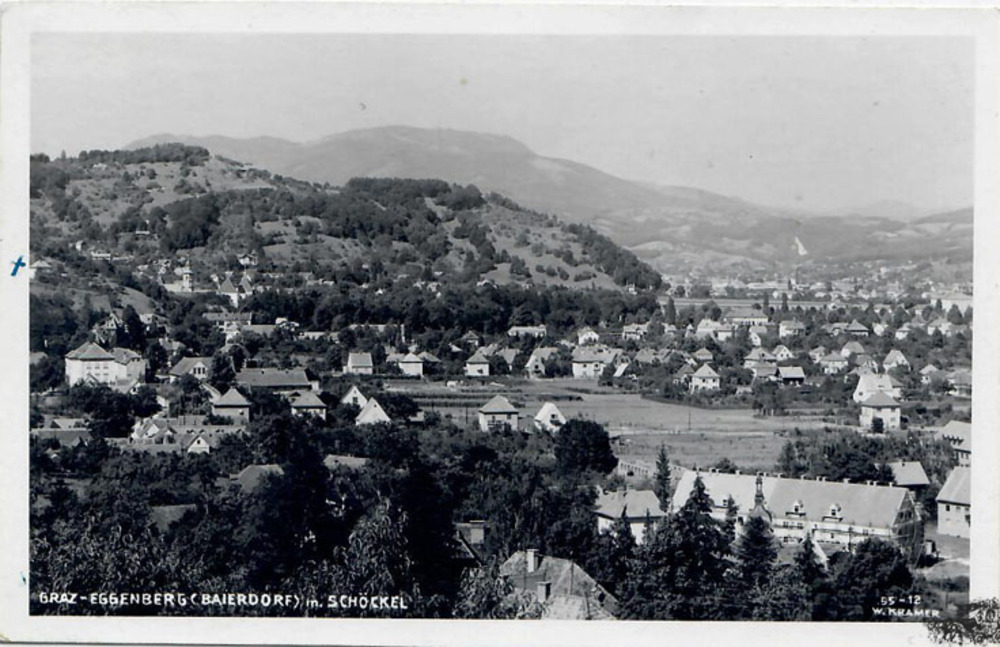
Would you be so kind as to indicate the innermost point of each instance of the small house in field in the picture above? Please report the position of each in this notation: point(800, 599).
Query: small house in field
point(705, 379)
point(880, 406)
point(308, 403)
point(549, 418)
point(498, 414)
point(477, 366)
point(372, 413)
point(233, 405)
point(354, 397)
point(411, 365)
point(359, 364)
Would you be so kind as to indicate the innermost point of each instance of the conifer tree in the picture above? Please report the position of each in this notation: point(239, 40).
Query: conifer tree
point(756, 552)
point(661, 482)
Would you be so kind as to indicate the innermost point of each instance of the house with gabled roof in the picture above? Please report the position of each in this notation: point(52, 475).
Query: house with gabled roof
point(197, 367)
point(549, 418)
point(790, 328)
point(372, 413)
point(703, 355)
point(497, 414)
point(954, 504)
point(228, 290)
point(959, 436)
point(852, 348)
point(872, 383)
point(589, 362)
point(637, 507)
point(561, 587)
point(587, 336)
point(232, 404)
point(308, 403)
point(683, 375)
point(278, 380)
point(782, 353)
point(880, 406)
point(857, 329)
point(705, 379)
point(756, 335)
point(791, 375)
point(354, 397)
point(535, 366)
point(478, 365)
point(758, 356)
point(411, 365)
point(895, 359)
point(836, 514)
point(833, 363)
point(359, 363)
point(909, 474)
point(91, 363)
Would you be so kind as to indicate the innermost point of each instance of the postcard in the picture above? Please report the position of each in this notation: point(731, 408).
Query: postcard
point(498, 324)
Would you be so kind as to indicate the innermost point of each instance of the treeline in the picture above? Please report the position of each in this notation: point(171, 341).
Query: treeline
point(486, 310)
point(173, 152)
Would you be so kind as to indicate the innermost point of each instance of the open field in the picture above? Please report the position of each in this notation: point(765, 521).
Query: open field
point(750, 451)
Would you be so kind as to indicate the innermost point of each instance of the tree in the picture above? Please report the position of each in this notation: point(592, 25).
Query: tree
point(671, 311)
point(222, 374)
point(583, 445)
point(876, 569)
point(756, 552)
point(662, 486)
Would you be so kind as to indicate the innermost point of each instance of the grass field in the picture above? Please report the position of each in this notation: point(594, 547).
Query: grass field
point(694, 436)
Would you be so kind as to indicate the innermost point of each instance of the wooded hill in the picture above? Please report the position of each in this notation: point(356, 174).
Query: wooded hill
point(173, 199)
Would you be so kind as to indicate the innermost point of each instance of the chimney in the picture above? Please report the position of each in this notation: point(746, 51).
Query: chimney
point(847, 480)
point(543, 590)
point(533, 559)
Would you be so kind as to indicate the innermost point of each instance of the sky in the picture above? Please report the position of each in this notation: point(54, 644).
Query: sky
point(819, 123)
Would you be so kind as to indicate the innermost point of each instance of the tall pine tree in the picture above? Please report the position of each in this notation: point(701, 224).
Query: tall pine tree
point(661, 482)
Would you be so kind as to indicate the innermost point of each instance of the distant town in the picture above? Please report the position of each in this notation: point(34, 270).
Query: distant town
point(243, 382)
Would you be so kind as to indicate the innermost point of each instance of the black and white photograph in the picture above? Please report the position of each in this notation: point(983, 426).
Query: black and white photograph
point(648, 320)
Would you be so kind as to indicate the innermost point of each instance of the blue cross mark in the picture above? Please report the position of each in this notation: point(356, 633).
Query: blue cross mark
point(18, 264)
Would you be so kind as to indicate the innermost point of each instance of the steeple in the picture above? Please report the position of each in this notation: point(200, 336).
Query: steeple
point(759, 507)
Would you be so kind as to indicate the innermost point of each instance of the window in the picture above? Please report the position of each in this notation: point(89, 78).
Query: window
point(947, 507)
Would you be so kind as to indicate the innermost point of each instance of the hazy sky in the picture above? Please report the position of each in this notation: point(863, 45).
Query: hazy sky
point(821, 123)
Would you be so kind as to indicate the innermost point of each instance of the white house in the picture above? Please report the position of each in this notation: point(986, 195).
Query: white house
point(954, 503)
point(871, 383)
point(196, 367)
point(790, 328)
point(411, 365)
point(497, 414)
point(477, 365)
point(359, 364)
point(90, 362)
point(549, 418)
point(371, 414)
point(535, 366)
point(587, 336)
point(537, 332)
point(355, 397)
point(589, 363)
point(782, 353)
point(705, 379)
point(880, 405)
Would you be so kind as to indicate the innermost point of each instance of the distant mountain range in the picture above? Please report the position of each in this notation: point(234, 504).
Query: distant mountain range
point(674, 228)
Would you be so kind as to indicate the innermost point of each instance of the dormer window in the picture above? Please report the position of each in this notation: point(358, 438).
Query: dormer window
point(835, 511)
point(798, 508)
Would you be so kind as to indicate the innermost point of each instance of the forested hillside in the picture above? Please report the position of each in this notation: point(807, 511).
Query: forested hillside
point(176, 199)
